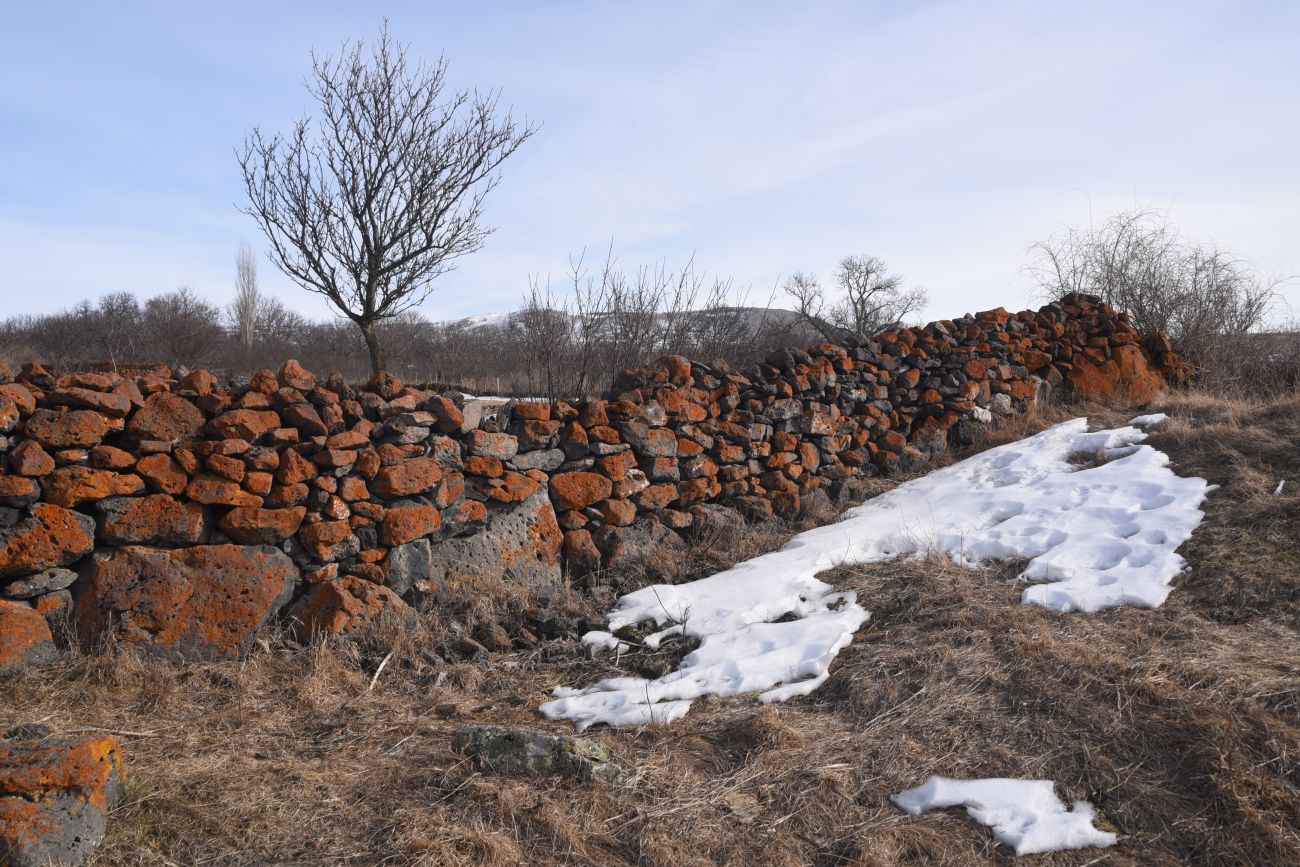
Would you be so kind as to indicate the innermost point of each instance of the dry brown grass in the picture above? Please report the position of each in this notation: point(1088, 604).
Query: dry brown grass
point(1181, 724)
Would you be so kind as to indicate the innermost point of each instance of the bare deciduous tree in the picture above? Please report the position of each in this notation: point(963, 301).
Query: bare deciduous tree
point(244, 309)
point(871, 299)
point(379, 198)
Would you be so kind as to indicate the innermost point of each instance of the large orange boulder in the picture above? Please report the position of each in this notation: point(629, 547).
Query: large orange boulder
point(166, 416)
point(342, 605)
point(1139, 381)
point(55, 796)
point(50, 536)
point(253, 526)
point(1127, 376)
point(25, 638)
point(157, 519)
point(201, 603)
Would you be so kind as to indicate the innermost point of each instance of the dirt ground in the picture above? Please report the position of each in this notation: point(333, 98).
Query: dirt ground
point(1181, 724)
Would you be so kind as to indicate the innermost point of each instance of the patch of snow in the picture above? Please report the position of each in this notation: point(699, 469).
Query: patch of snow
point(1154, 418)
point(1024, 814)
point(1103, 536)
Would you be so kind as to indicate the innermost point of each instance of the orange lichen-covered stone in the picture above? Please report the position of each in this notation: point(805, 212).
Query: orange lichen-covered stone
point(162, 473)
point(214, 490)
point(166, 416)
point(157, 519)
point(25, 638)
point(244, 424)
point(512, 487)
point(109, 403)
point(254, 526)
point(408, 478)
point(70, 486)
point(342, 605)
point(55, 796)
point(577, 490)
point(77, 429)
point(200, 603)
point(50, 536)
point(29, 459)
point(407, 523)
point(328, 541)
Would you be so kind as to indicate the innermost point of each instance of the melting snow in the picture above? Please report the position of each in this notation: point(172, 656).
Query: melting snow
point(1100, 536)
point(1024, 814)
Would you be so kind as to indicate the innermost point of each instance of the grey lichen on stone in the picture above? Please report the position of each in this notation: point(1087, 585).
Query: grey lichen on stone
point(519, 751)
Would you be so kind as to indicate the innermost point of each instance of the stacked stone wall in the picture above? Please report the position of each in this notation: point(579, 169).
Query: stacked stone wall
point(179, 515)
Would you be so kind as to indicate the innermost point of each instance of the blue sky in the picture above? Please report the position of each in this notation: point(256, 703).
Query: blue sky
point(761, 137)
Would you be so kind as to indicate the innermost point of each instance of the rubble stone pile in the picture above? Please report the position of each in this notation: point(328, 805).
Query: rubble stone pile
point(178, 515)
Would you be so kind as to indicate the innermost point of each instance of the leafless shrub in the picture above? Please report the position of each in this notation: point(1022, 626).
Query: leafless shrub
point(609, 319)
point(378, 199)
point(1206, 298)
point(181, 328)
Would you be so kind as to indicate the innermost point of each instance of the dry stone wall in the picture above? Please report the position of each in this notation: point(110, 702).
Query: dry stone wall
point(178, 515)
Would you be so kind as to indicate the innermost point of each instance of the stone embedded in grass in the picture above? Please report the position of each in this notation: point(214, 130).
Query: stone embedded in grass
point(55, 796)
point(519, 751)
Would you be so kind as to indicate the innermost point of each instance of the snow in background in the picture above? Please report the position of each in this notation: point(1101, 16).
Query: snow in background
point(1099, 536)
point(1024, 814)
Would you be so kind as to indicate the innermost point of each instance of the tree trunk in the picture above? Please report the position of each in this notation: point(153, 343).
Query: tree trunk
point(378, 359)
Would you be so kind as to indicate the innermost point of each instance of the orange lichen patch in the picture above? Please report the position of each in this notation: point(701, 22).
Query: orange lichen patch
point(70, 486)
point(88, 767)
point(51, 536)
point(199, 603)
point(254, 526)
point(25, 637)
point(339, 606)
point(407, 523)
point(410, 477)
point(577, 490)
